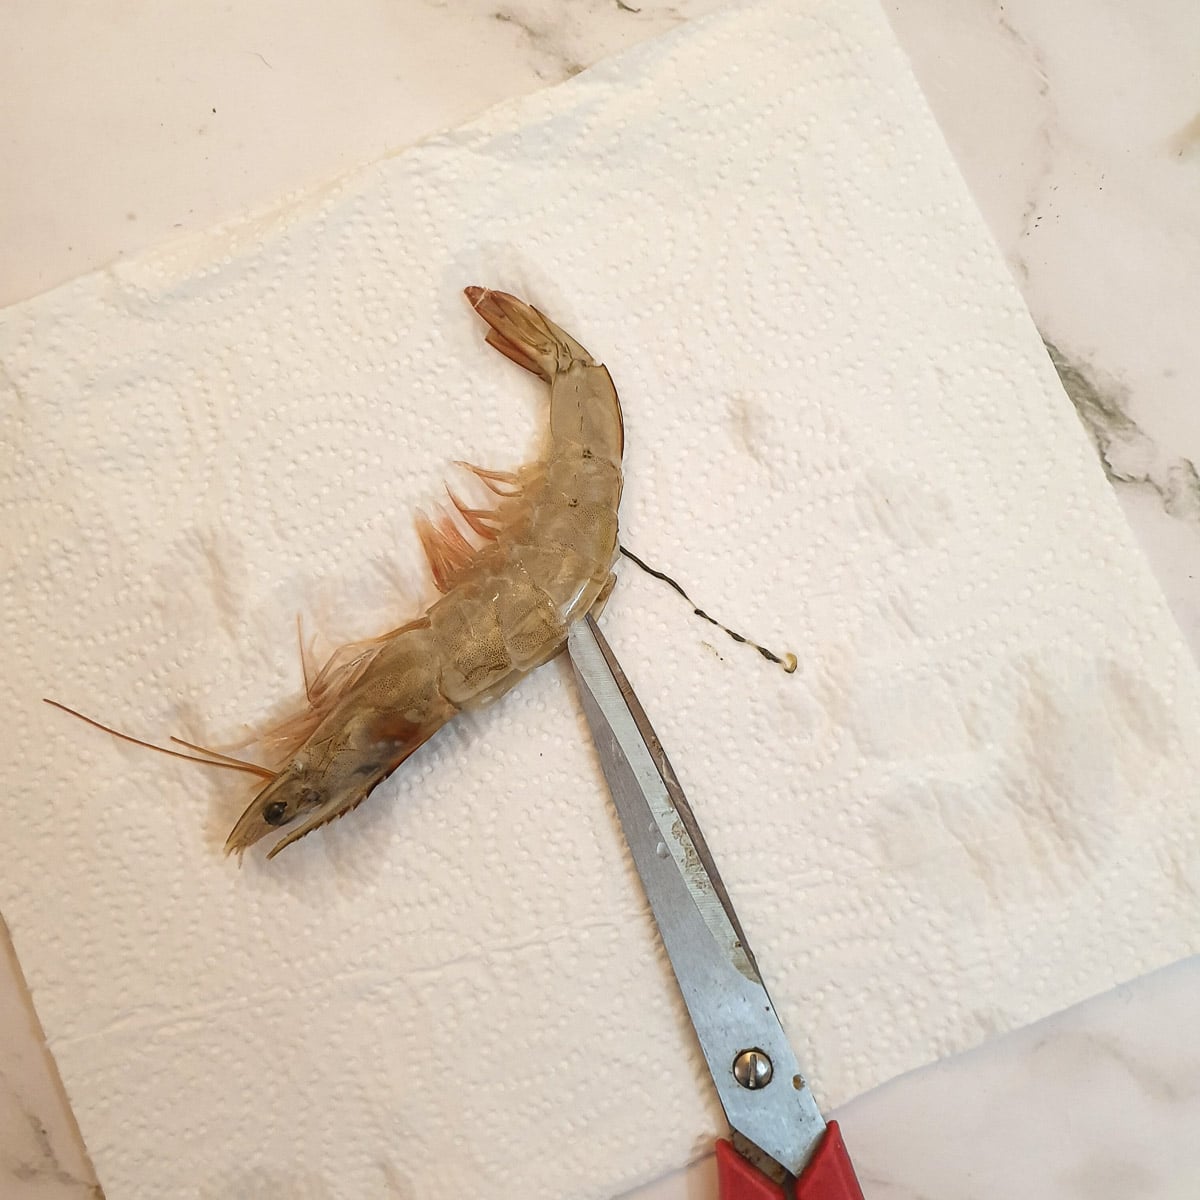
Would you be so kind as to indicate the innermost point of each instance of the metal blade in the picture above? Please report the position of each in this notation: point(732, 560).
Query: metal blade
point(753, 1065)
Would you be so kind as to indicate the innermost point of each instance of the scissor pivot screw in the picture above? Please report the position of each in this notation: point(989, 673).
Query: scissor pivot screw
point(752, 1069)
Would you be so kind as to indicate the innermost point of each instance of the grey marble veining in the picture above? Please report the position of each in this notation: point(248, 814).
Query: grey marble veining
point(1100, 1102)
point(1097, 1103)
point(1128, 454)
point(41, 1155)
point(248, 105)
point(1076, 126)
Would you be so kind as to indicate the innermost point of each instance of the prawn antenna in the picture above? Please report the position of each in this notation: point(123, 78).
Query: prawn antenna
point(788, 662)
point(217, 759)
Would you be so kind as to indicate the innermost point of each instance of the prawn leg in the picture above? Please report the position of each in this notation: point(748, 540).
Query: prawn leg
point(492, 479)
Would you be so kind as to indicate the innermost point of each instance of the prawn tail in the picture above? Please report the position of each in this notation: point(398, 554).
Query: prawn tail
point(524, 335)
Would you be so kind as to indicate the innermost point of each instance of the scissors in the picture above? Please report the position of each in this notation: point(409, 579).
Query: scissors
point(780, 1147)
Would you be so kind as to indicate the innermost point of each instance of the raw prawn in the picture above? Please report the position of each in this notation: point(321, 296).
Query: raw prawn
point(513, 578)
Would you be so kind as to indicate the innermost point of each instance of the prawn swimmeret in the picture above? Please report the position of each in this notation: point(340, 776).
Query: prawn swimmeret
point(513, 578)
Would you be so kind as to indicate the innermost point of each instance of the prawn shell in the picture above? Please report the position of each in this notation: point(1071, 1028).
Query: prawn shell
point(514, 577)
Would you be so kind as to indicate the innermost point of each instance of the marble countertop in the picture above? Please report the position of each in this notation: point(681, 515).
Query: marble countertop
point(1077, 126)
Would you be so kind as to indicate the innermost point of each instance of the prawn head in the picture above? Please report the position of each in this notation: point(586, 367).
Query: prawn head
point(394, 708)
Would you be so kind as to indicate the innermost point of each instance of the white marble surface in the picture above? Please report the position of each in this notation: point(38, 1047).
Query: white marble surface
point(1077, 126)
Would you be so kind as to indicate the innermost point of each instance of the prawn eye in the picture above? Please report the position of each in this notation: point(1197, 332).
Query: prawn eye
point(275, 813)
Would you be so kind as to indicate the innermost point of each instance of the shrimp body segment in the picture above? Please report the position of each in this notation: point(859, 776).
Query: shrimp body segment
point(513, 578)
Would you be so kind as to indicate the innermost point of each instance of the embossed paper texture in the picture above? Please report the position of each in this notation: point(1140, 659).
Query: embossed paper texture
point(972, 804)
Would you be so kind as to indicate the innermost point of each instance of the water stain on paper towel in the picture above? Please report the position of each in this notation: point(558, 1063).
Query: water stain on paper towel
point(1069, 784)
point(944, 820)
point(266, 1184)
point(748, 420)
point(1134, 704)
point(910, 511)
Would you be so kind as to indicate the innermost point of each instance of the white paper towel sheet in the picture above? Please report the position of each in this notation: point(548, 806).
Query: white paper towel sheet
point(971, 805)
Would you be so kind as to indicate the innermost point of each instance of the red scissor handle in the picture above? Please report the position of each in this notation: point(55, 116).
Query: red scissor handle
point(828, 1176)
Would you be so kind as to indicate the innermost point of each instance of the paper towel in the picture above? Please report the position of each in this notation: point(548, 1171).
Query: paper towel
point(972, 804)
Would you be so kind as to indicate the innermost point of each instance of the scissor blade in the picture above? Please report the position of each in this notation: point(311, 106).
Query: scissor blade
point(725, 996)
